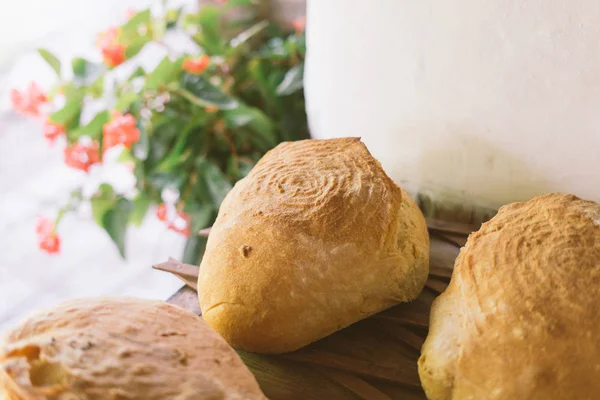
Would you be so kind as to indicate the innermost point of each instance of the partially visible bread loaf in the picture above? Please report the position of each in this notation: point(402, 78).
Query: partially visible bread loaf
point(120, 349)
point(316, 237)
point(521, 316)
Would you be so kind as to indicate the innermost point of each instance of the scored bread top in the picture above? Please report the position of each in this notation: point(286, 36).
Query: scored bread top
point(120, 348)
point(520, 318)
point(316, 237)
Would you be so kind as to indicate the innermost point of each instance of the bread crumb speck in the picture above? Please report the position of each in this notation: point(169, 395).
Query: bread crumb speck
point(245, 251)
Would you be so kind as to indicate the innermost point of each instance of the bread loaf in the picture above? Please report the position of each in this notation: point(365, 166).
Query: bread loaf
point(316, 237)
point(120, 349)
point(521, 318)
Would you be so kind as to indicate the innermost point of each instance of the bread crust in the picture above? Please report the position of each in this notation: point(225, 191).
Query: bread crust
point(316, 237)
point(118, 348)
point(520, 318)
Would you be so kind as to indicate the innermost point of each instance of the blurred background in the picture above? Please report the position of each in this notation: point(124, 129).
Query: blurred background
point(108, 166)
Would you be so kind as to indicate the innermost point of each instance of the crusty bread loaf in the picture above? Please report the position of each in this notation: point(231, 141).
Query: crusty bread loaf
point(316, 237)
point(120, 349)
point(521, 317)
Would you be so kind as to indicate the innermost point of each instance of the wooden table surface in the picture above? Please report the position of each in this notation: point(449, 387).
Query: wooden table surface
point(374, 359)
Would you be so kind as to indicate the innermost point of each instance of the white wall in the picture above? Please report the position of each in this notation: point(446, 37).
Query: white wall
point(24, 22)
point(486, 101)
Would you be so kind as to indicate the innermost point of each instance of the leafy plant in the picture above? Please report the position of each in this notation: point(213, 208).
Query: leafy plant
point(179, 135)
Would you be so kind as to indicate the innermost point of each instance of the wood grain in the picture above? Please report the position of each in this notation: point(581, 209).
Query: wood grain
point(374, 359)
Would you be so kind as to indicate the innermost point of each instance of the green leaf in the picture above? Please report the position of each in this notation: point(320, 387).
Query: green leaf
point(245, 167)
point(174, 158)
point(115, 221)
point(201, 217)
point(131, 30)
point(136, 46)
point(102, 201)
point(165, 72)
point(292, 81)
point(209, 18)
point(51, 60)
point(216, 181)
point(249, 33)
point(139, 18)
point(198, 90)
point(73, 91)
point(236, 3)
point(125, 101)
point(162, 180)
point(96, 89)
point(86, 72)
point(79, 66)
point(126, 156)
point(172, 16)
point(140, 207)
point(296, 45)
point(68, 116)
point(239, 167)
point(139, 71)
point(275, 49)
point(93, 129)
point(142, 147)
point(265, 136)
point(194, 249)
point(256, 69)
point(112, 214)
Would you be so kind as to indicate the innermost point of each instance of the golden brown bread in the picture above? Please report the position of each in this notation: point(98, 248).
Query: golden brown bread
point(120, 349)
point(521, 317)
point(316, 237)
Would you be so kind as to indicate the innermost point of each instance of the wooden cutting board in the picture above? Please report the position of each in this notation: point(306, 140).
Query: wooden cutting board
point(374, 359)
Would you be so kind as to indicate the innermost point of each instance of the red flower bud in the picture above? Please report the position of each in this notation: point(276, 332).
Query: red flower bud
point(181, 224)
point(114, 55)
point(44, 227)
point(52, 131)
point(82, 157)
point(48, 240)
point(121, 130)
point(196, 65)
point(299, 25)
point(50, 244)
point(28, 102)
point(161, 212)
point(113, 52)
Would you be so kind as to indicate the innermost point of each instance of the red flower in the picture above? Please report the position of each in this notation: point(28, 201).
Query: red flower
point(113, 52)
point(44, 227)
point(50, 244)
point(28, 102)
point(48, 240)
point(80, 156)
point(107, 37)
point(181, 224)
point(52, 131)
point(196, 65)
point(114, 55)
point(121, 130)
point(161, 212)
point(299, 25)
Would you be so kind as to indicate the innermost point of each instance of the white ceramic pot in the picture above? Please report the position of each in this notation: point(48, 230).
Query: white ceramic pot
point(486, 102)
